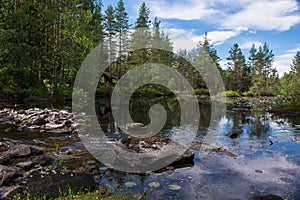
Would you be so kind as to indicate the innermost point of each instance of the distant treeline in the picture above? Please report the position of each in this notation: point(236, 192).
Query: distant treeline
point(43, 43)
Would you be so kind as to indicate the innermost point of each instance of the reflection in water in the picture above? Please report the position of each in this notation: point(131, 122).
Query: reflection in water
point(261, 167)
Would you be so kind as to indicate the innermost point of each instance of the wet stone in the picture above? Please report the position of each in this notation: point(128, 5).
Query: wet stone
point(9, 192)
point(8, 175)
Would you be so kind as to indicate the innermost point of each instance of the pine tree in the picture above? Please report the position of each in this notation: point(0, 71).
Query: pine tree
point(141, 37)
point(262, 60)
point(206, 56)
point(161, 45)
point(122, 26)
point(143, 18)
point(239, 71)
point(110, 28)
point(295, 66)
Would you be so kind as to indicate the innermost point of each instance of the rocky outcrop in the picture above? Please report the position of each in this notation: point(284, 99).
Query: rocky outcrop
point(154, 144)
point(33, 171)
point(41, 120)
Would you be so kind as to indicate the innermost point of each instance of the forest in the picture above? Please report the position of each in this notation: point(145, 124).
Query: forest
point(43, 44)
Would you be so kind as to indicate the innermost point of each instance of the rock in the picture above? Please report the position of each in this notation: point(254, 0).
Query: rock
point(25, 165)
point(144, 145)
point(133, 126)
point(54, 184)
point(22, 150)
point(8, 175)
point(7, 130)
point(267, 197)
point(39, 121)
point(19, 151)
point(155, 145)
point(207, 147)
point(44, 160)
point(9, 192)
point(233, 135)
point(36, 119)
point(242, 104)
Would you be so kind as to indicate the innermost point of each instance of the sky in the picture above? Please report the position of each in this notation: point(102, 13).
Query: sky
point(246, 22)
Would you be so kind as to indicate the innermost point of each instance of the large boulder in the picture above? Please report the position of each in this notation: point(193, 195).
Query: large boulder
point(155, 145)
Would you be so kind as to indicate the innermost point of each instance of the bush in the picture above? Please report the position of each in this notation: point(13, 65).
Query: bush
point(229, 93)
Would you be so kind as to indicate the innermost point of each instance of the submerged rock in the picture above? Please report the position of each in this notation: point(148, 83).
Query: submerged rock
point(267, 197)
point(207, 147)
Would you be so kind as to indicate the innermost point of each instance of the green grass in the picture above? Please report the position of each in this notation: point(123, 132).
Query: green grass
point(101, 194)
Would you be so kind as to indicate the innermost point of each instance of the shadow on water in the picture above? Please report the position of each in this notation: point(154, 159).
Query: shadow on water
point(268, 161)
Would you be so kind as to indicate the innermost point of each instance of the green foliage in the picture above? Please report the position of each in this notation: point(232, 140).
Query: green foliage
point(289, 86)
point(45, 40)
point(264, 77)
point(229, 93)
point(43, 43)
point(250, 94)
point(237, 76)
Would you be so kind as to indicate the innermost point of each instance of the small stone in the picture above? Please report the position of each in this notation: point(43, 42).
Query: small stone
point(25, 165)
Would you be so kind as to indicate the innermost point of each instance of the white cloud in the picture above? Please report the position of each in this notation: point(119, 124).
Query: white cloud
point(187, 39)
point(248, 44)
point(219, 37)
point(265, 15)
point(184, 10)
point(282, 62)
point(182, 39)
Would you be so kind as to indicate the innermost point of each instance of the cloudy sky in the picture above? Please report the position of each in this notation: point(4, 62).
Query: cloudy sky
point(276, 22)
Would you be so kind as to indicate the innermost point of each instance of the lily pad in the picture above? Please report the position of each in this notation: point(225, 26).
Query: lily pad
point(154, 184)
point(174, 187)
point(130, 184)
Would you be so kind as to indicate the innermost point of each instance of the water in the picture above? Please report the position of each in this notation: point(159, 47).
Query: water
point(267, 159)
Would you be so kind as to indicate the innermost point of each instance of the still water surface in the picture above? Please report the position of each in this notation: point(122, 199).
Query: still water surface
point(267, 162)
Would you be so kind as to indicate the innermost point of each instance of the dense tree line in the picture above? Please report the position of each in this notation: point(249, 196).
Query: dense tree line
point(42, 45)
point(290, 84)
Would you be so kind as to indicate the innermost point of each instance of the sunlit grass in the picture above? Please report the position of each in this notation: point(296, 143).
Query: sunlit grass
point(102, 194)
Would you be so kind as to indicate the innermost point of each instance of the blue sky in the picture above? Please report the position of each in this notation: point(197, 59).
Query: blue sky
point(245, 22)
